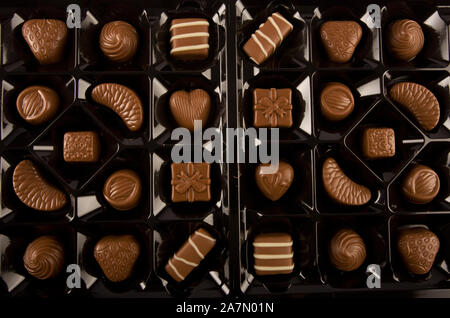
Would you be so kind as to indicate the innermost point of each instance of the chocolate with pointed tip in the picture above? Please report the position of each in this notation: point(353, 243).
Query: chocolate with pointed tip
point(274, 185)
point(340, 39)
point(186, 107)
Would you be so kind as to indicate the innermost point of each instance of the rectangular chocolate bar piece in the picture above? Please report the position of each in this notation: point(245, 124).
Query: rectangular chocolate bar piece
point(191, 182)
point(378, 143)
point(189, 256)
point(273, 254)
point(263, 43)
point(189, 39)
point(272, 107)
point(81, 146)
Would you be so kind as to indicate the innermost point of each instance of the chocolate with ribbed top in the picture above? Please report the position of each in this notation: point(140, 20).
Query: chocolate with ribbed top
point(421, 185)
point(123, 189)
point(37, 104)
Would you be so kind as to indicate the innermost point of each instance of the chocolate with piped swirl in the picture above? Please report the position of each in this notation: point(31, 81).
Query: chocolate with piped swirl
point(347, 250)
point(37, 104)
point(44, 257)
point(421, 185)
point(123, 189)
point(336, 101)
point(119, 41)
point(405, 39)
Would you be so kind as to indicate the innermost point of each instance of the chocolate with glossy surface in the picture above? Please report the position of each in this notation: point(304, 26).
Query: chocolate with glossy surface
point(378, 143)
point(405, 39)
point(191, 182)
point(274, 185)
point(44, 257)
point(189, 39)
point(273, 254)
point(272, 107)
point(336, 101)
point(81, 146)
point(186, 107)
point(119, 41)
point(340, 39)
point(37, 104)
point(123, 189)
point(347, 250)
point(421, 185)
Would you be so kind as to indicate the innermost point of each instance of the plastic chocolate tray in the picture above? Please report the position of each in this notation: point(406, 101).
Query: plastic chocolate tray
point(237, 211)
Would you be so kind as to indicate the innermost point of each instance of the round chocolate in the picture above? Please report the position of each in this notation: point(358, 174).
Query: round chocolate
point(421, 185)
point(37, 104)
point(123, 190)
point(347, 250)
point(336, 101)
point(44, 257)
point(405, 39)
point(119, 41)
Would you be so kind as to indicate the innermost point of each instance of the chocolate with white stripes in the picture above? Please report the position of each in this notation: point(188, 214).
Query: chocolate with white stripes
point(189, 256)
point(189, 39)
point(273, 254)
point(263, 43)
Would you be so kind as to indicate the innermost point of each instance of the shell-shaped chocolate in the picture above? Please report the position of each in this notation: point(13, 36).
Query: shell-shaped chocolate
point(340, 187)
point(122, 100)
point(347, 250)
point(421, 185)
point(34, 191)
point(189, 106)
point(405, 39)
point(340, 39)
point(336, 101)
point(119, 41)
point(44, 257)
point(123, 189)
point(37, 104)
point(419, 101)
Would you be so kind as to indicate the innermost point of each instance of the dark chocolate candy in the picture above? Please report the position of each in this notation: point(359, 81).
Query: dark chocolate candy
point(275, 185)
point(34, 191)
point(340, 39)
point(378, 143)
point(46, 38)
point(189, 106)
point(119, 41)
point(189, 256)
point(336, 101)
point(421, 185)
point(347, 250)
point(44, 257)
point(123, 189)
point(405, 39)
point(272, 107)
point(273, 254)
point(37, 104)
point(189, 39)
point(191, 182)
point(81, 146)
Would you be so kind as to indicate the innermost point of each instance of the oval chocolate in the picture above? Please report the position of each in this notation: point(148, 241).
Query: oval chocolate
point(37, 104)
point(421, 185)
point(123, 189)
point(336, 101)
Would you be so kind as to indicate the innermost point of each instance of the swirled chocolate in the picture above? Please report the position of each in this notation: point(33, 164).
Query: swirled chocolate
point(405, 39)
point(340, 39)
point(347, 250)
point(274, 185)
point(44, 257)
point(123, 189)
point(119, 41)
point(421, 185)
point(336, 101)
point(37, 104)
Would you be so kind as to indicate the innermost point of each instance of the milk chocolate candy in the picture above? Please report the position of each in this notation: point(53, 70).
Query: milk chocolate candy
point(123, 101)
point(272, 107)
point(340, 187)
point(119, 41)
point(340, 39)
point(263, 43)
point(189, 39)
point(37, 104)
point(44, 257)
point(274, 185)
point(186, 107)
point(273, 254)
point(81, 146)
point(419, 101)
point(117, 255)
point(34, 191)
point(123, 189)
point(190, 255)
point(336, 101)
point(418, 248)
point(378, 143)
point(191, 182)
point(347, 250)
point(46, 38)
point(421, 185)
point(405, 39)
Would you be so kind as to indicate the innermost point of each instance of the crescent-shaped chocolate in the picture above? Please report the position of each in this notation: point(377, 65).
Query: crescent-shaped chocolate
point(34, 191)
point(119, 41)
point(340, 187)
point(44, 257)
point(123, 189)
point(421, 185)
point(347, 250)
point(37, 104)
point(122, 100)
point(405, 39)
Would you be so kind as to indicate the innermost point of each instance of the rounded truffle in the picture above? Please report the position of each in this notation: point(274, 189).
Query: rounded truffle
point(44, 257)
point(347, 250)
point(421, 185)
point(123, 189)
point(37, 104)
point(336, 101)
point(405, 39)
point(119, 41)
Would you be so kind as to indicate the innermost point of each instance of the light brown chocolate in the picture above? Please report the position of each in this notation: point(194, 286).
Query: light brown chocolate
point(273, 254)
point(37, 104)
point(336, 101)
point(274, 185)
point(81, 146)
point(189, 106)
point(191, 182)
point(405, 39)
point(189, 39)
point(378, 143)
point(44, 257)
point(340, 39)
point(123, 189)
point(421, 185)
point(119, 41)
point(272, 107)
point(347, 250)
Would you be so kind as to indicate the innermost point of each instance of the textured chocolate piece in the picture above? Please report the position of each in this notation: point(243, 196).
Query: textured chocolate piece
point(189, 106)
point(272, 107)
point(336, 101)
point(191, 182)
point(189, 39)
point(274, 185)
point(418, 248)
point(37, 104)
point(405, 39)
point(81, 146)
point(190, 255)
point(419, 101)
point(378, 143)
point(34, 191)
point(264, 42)
point(347, 250)
point(273, 254)
point(421, 185)
point(340, 187)
point(44, 257)
point(46, 38)
point(123, 189)
point(123, 101)
point(119, 41)
point(117, 255)
point(340, 39)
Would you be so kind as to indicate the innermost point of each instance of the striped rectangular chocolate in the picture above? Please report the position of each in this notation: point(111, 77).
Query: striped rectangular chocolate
point(189, 39)
point(273, 254)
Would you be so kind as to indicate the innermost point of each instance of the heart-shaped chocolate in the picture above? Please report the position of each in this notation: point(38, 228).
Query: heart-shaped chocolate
point(340, 39)
point(189, 106)
point(274, 185)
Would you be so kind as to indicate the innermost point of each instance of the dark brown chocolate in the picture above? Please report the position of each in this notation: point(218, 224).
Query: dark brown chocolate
point(191, 182)
point(273, 254)
point(44, 257)
point(274, 185)
point(378, 143)
point(405, 39)
point(189, 106)
point(119, 41)
point(37, 104)
point(347, 250)
point(123, 189)
point(336, 101)
point(189, 39)
point(421, 185)
point(81, 146)
point(272, 107)
point(340, 39)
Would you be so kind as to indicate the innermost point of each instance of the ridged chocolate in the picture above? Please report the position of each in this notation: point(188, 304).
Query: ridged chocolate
point(340, 39)
point(122, 100)
point(347, 250)
point(405, 39)
point(421, 185)
point(274, 185)
point(44, 257)
point(189, 106)
point(34, 191)
point(37, 104)
point(81, 146)
point(273, 254)
point(123, 189)
point(336, 101)
point(419, 101)
point(119, 41)
point(378, 143)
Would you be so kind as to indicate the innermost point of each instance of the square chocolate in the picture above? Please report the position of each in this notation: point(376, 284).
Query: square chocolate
point(191, 182)
point(189, 39)
point(378, 143)
point(272, 107)
point(273, 254)
point(81, 146)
